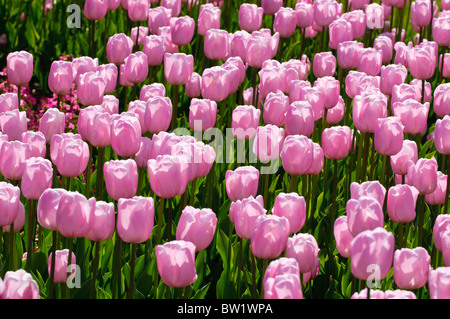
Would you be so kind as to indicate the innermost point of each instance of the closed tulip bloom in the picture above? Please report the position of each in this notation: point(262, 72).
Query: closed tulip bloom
point(408, 152)
point(135, 219)
point(113, 4)
point(297, 154)
point(269, 236)
point(121, 178)
point(13, 123)
point(166, 34)
point(250, 17)
point(374, 294)
point(385, 45)
point(158, 17)
point(257, 51)
point(364, 213)
point(138, 10)
point(73, 215)
point(241, 183)
point(340, 31)
point(109, 73)
point(8, 102)
point(9, 203)
point(399, 294)
point(239, 64)
point(102, 222)
point(143, 155)
point(216, 46)
point(19, 68)
point(367, 109)
point(60, 78)
point(374, 16)
point(401, 203)
point(271, 7)
point(421, 63)
point(272, 79)
point(438, 283)
point(293, 207)
point(243, 214)
point(268, 142)
point(168, 175)
point(441, 224)
point(282, 280)
point(95, 9)
point(71, 155)
point(370, 61)
point(388, 136)
point(152, 90)
point(324, 64)
point(441, 100)
point(14, 155)
point(176, 263)
point(336, 142)
point(423, 175)
point(275, 107)
point(352, 81)
point(441, 135)
point(126, 134)
point(238, 45)
point(194, 85)
point(304, 249)
point(208, 18)
point(136, 67)
point(83, 65)
point(411, 268)
point(373, 189)
point(401, 49)
point(343, 236)
point(154, 49)
point(438, 196)
point(372, 248)
point(174, 5)
point(110, 104)
point(357, 19)
point(158, 114)
point(84, 122)
point(202, 114)
point(99, 133)
point(182, 30)
point(60, 272)
point(326, 11)
point(336, 114)
point(285, 22)
point(118, 47)
point(421, 13)
point(440, 31)
point(20, 285)
point(91, 88)
point(178, 68)
point(412, 114)
point(299, 119)
point(330, 88)
point(139, 38)
point(197, 226)
point(403, 92)
point(215, 83)
point(36, 143)
point(19, 222)
point(245, 121)
point(37, 177)
point(348, 54)
point(304, 13)
point(48, 207)
point(392, 75)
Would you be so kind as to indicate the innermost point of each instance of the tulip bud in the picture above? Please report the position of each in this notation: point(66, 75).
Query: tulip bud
point(197, 226)
point(19, 68)
point(135, 219)
point(121, 178)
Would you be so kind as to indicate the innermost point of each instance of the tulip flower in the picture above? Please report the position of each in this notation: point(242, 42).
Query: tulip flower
point(388, 136)
point(343, 236)
point(48, 207)
point(324, 64)
point(336, 142)
point(304, 13)
point(118, 47)
point(438, 284)
point(197, 226)
point(411, 268)
point(182, 30)
point(421, 63)
point(408, 152)
point(60, 79)
point(423, 175)
point(73, 215)
point(202, 114)
point(208, 18)
point(194, 85)
point(303, 248)
point(158, 113)
point(374, 16)
point(365, 213)
point(176, 263)
point(135, 218)
point(37, 177)
point(109, 73)
point(95, 9)
point(61, 265)
point(268, 142)
point(269, 236)
point(91, 88)
point(325, 12)
point(412, 114)
point(401, 203)
point(216, 45)
point(171, 181)
point(245, 120)
point(126, 134)
point(367, 109)
point(121, 178)
point(386, 46)
point(370, 61)
point(102, 222)
point(19, 285)
point(250, 17)
point(242, 182)
point(275, 107)
point(293, 207)
point(243, 214)
point(285, 22)
point(19, 68)
point(340, 31)
point(9, 203)
point(13, 157)
point(52, 122)
point(348, 54)
point(215, 83)
point(70, 154)
point(178, 68)
point(13, 123)
point(281, 280)
point(392, 75)
point(357, 19)
point(372, 189)
point(439, 196)
point(297, 154)
point(299, 119)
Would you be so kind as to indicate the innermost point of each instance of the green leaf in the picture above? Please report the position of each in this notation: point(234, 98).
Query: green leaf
point(222, 247)
point(201, 293)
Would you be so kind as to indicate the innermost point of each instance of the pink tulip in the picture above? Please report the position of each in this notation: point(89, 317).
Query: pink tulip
point(37, 177)
point(99, 132)
point(411, 267)
point(340, 30)
point(304, 13)
point(326, 11)
point(36, 143)
point(364, 213)
point(374, 16)
point(330, 88)
point(20, 285)
point(243, 214)
point(102, 222)
point(421, 63)
point(216, 45)
point(208, 18)
point(269, 236)
point(73, 215)
point(119, 47)
point(293, 207)
point(110, 104)
point(139, 39)
point(304, 249)
point(372, 250)
point(250, 17)
point(182, 30)
point(245, 120)
point(421, 13)
point(19, 68)
point(9, 203)
point(84, 122)
point(242, 182)
point(412, 114)
point(126, 134)
point(197, 226)
point(13, 123)
point(138, 10)
point(152, 90)
point(143, 155)
point(19, 221)
point(438, 196)
point(336, 142)
point(158, 114)
point(113, 4)
point(121, 178)
point(441, 131)
point(348, 54)
point(158, 17)
point(257, 51)
point(367, 109)
point(392, 75)
point(171, 181)
point(70, 154)
point(178, 68)
point(324, 64)
point(60, 78)
point(95, 9)
point(83, 65)
point(109, 73)
point(388, 136)
point(408, 152)
point(52, 122)
point(176, 263)
point(352, 81)
point(8, 102)
point(299, 119)
point(285, 22)
point(401, 203)
point(154, 49)
point(13, 157)
point(386, 46)
point(357, 19)
point(343, 236)
point(275, 107)
point(215, 83)
point(194, 85)
point(438, 283)
point(423, 175)
point(297, 154)
point(47, 207)
point(136, 67)
point(440, 33)
point(268, 142)
point(60, 272)
point(370, 61)
point(135, 219)
point(174, 5)
point(91, 88)
point(282, 280)
point(441, 100)
point(202, 114)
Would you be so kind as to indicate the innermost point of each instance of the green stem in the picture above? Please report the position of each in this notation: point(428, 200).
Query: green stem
point(95, 268)
point(88, 172)
point(335, 178)
point(31, 233)
point(252, 257)
point(51, 284)
point(11, 248)
point(132, 266)
point(358, 160)
point(447, 191)
point(400, 235)
point(19, 94)
point(160, 216)
point(193, 186)
point(266, 190)
point(238, 281)
point(264, 267)
point(116, 266)
point(100, 163)
point(175, 106)
point(169, 219)
point(293, 184)
point(366, 156)
point(69, 263)
point(420, 222)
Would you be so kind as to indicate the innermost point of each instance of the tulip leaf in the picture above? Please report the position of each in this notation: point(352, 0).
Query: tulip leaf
point(222, 247)
point(201, 293)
